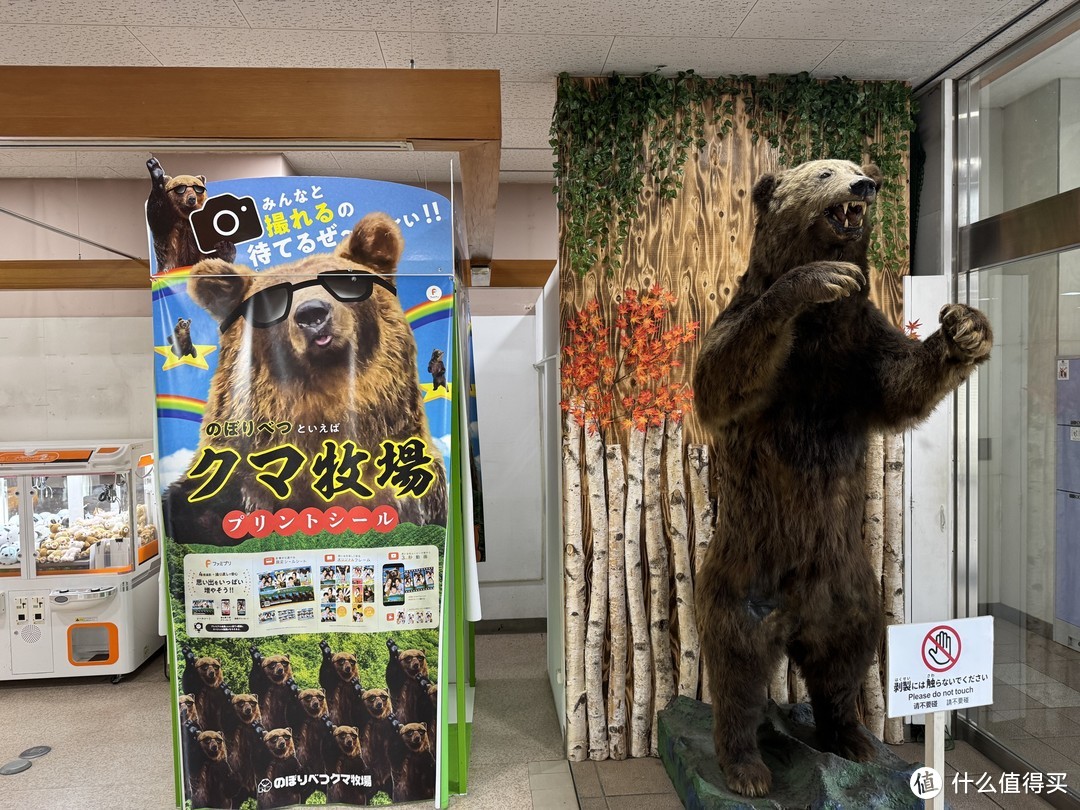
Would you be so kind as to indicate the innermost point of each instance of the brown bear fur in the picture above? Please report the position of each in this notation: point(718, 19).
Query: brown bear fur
point(180, 341)
point(215, 783)
point(172, 200)
point(271, 677)
point(377, 737)
point(243, 740)
point(314, 742)
point(414, 772)
point(412, 700)
point(350, 760)
point(189, 713)
point(349, 364)
point(339, 676)
point(202, 680)
point(791, 379)
point(282, 763)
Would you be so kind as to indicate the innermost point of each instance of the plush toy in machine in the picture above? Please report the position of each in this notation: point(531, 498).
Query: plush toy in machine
point(9, 552)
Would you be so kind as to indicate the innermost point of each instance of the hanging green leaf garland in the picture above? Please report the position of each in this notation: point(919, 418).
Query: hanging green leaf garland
point(614, 136)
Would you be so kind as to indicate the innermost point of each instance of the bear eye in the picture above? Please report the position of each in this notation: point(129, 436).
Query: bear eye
point(825, 175)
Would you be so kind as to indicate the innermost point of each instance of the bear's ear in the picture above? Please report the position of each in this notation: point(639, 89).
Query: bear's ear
point(375, 242)
point(423, 726)
point(289, 729)
point(874, 173)
point(166, 180)
point(763, 192)
point(334, 730)
point(219, 287)
point(201, 179)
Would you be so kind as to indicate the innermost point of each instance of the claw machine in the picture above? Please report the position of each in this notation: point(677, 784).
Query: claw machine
point(79, 559)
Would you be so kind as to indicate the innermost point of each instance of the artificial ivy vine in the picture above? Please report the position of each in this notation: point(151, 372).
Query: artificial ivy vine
point(615, 136)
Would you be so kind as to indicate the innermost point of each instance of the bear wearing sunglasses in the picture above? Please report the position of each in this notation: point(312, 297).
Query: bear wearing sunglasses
point(321, 341)
point(172, 200)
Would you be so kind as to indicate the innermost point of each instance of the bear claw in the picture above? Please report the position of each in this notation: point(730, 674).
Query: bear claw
point(967, 330)
point(751, 779)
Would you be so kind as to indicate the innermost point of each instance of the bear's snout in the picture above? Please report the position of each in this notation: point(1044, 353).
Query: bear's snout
point(314, 319)
point(864, 188)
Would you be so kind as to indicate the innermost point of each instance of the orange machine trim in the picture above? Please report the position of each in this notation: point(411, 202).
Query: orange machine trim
point(114, 644)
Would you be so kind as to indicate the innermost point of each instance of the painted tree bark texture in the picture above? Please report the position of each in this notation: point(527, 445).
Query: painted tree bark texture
point(696, 245)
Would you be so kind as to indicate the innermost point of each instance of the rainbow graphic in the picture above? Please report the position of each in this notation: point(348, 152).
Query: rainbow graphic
point(169, 282)
point(429, 311)
point(174, 406)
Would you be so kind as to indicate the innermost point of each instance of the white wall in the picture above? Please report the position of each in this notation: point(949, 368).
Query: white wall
point(512, 576)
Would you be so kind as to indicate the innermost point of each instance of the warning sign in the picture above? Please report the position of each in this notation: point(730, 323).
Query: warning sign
point(941, 648)
point(940, 666)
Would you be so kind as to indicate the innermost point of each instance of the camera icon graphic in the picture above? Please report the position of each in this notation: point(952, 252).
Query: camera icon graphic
point(225, 218)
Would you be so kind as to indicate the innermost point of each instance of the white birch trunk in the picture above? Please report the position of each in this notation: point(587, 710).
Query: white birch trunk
point(698, 456)
point(875, 700)
point(778, 684)
point(574, 581)
point(689, 646)
point(635, 600)
point(796, 685)
point(616, 711)
point(892, 580)
point(874, 537)
point(659, 585)
point(598, 606)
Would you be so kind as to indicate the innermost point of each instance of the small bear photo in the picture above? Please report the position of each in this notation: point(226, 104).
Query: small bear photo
point(180, 339)
point(437, 369)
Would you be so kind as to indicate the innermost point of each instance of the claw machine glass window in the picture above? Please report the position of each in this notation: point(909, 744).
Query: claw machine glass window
point(10, 541)
point(82, 524)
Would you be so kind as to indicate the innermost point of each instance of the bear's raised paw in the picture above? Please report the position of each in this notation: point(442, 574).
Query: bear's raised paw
point(822, 282)
point(967, 331)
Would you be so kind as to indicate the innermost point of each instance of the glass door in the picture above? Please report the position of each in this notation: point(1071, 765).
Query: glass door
point(1019, 417)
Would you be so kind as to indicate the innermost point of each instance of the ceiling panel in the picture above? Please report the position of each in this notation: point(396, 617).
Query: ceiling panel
point(442, 15)
point(71, 45)
point(123, 12)
point(227, 47)
point(717, 57)
point(623, 17)
point(521, 58)
point(546, 178)
point(528, 99)
point(526, 133)
point(881, 60)
point(527, 160)
point(914, 20)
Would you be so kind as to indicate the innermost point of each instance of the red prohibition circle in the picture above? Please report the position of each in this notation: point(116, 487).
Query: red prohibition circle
point(932, 663)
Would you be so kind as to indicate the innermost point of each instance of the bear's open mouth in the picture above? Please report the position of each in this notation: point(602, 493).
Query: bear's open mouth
point(846, 216)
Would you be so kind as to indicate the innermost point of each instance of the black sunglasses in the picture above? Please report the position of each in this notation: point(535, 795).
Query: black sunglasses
point(182, 189)
point(270, 306)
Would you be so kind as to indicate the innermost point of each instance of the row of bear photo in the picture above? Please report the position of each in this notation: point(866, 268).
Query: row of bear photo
point(280, 742)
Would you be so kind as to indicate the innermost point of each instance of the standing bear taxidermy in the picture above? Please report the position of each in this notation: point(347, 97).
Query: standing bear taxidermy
point(792, 378)
point(330, 345)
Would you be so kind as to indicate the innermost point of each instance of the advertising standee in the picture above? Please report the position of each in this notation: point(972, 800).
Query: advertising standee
point(304, 437)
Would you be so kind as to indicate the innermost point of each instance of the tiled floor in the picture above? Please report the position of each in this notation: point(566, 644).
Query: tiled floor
point(112, 748)
point(1036, 709)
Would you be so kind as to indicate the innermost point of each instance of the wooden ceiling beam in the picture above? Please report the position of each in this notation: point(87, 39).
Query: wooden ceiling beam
point(450, 110)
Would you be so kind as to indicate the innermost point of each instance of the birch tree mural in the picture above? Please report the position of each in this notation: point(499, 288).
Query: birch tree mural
point(654, 177)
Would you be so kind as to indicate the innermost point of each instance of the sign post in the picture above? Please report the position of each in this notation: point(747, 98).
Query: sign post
point(938, 667)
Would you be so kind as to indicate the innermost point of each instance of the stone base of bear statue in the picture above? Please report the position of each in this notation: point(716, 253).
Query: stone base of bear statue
point(802, 774)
